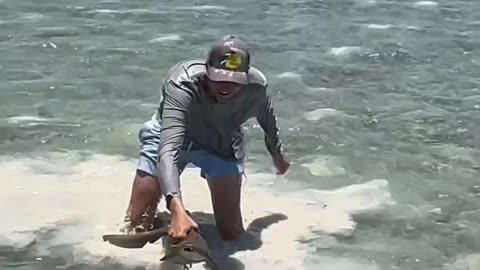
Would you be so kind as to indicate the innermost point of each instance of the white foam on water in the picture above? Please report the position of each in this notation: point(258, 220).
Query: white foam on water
point(289, 75)
point(31, 121)
point(366, 197)
point(379, 26)
point(104, 11)
point(365, 2)
point(325, 166)
point(139, 11)
point(412, 27)
point(33, 16)
point(320, 113)
point(113, 11)
point(166, 38)
point(87, 199)
point(204, 7)
point(26, 118)
point(426, 3)
point(319, 89)
point(345, 50)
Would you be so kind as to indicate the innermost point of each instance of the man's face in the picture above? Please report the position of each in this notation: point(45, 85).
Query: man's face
point(222, 91)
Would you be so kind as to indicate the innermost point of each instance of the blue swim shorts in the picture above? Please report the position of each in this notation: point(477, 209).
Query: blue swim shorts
point(211, 165)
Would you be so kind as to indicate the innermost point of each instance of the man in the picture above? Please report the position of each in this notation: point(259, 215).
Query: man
point(203, 105)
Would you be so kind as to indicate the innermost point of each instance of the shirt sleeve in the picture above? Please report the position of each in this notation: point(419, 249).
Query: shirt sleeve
point(268, 122)
point(174, 107)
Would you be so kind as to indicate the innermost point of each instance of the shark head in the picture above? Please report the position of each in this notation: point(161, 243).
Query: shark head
point(193, 249)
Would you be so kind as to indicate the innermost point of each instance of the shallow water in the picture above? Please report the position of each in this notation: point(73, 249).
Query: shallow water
point(377, 101)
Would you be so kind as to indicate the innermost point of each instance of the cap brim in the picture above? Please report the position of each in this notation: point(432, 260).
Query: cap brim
point(221, 75)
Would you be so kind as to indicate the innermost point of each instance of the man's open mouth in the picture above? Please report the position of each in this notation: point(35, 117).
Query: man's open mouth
point(224, 93)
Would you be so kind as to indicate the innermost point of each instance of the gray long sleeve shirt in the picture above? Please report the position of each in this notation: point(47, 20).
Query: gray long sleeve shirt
point(188, 114)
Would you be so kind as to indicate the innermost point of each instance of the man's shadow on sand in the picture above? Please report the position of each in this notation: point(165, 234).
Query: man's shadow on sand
point(222, 250)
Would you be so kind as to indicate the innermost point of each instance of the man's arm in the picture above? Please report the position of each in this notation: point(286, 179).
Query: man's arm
point(268, 122)
point(176, 102)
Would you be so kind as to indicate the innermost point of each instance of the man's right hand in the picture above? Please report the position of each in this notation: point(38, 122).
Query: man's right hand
point(282, 164)
point(181, 223)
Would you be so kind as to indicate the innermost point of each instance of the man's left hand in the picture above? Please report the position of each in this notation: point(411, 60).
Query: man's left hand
point(282, 164)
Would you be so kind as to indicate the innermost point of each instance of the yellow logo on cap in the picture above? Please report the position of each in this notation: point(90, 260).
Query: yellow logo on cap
point(231, 61)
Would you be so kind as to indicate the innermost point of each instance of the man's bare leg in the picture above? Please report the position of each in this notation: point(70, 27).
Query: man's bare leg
point(145, 196)
point(225, 194)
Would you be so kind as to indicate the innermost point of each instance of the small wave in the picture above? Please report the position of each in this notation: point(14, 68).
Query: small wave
point(426, 3)
point(123, 11)
point(320, 113)
point(345, 50)
point(37, 121)
point(123, 50)
point(33, 17)
point(166, 38)
point(203, 7)
point(23, 75)
point(289, 75)
point(319, 89)
point(138, 11)
point(379, 26)
point(57, 31)
point(149, 105)
point(365, 2)
point(370, 196)
point(412, 27)
point(104, 11)
point(26, 118)
point(325, 166)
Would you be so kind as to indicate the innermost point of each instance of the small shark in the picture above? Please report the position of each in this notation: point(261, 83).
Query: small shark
point(192, 249)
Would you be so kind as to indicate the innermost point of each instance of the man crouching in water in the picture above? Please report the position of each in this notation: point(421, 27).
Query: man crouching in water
point(203, 105)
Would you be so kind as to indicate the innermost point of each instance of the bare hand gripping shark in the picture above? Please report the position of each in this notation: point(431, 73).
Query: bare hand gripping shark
point(192, 249)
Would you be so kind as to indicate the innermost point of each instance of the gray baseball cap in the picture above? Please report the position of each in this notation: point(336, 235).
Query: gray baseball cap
point(229, 60)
